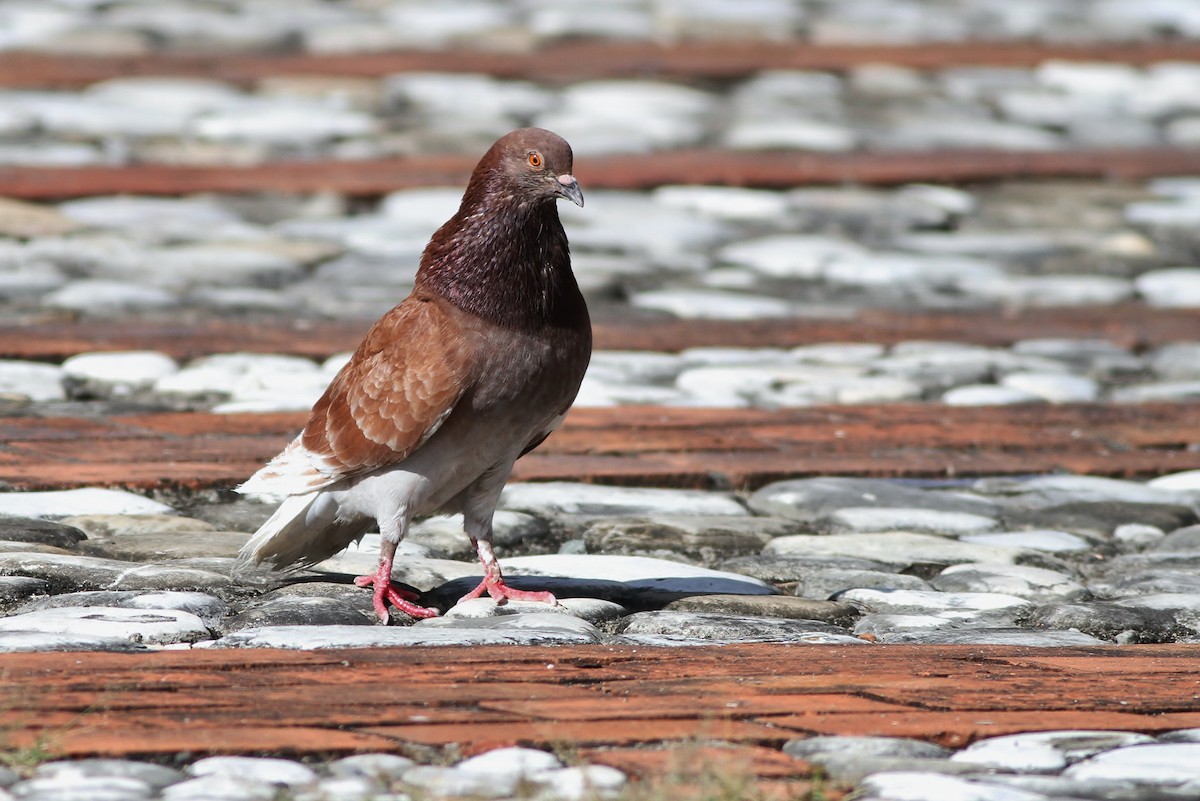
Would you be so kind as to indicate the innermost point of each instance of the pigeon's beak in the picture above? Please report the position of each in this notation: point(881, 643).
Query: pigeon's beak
point(568, 187)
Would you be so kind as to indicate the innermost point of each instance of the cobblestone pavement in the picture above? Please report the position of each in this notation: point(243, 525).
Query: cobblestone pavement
point(1041, 561)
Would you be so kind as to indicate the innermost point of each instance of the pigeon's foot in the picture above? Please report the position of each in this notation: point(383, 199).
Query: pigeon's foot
point(387, 592)
point(501, 592)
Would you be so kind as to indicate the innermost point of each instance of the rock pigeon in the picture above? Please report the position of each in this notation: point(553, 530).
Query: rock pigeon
point(471, 371)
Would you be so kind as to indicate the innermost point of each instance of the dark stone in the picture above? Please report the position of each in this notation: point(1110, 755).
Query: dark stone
point(44, 532)
point(298, 611)
point(18, 588)
point(785, 569)
point(722, 628)
point(1109, 621)
point(777, 606)
point(1097, 518)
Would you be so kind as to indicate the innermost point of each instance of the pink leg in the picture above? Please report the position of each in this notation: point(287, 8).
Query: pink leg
point(493, 581)
point(386, 591)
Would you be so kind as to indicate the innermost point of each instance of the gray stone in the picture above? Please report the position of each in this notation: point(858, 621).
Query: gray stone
point(830, 581)
point(808, 500)
point(511, 531)
point(155, 546)
point(1182, 539)
point(1097, 519)
point(820, 749)
point(722, 628)
point(46, 532)
point(208, 608)
point(775, 606)
point(991, 636)
point(903, 785)
point(1108, 621)
point(91, 573)
point(964, 605)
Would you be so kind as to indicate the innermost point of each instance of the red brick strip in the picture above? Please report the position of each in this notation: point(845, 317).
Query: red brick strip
point(1130, 325)
point(772, 170)
point(646, 710)
point(703, 60)
point(703, 448)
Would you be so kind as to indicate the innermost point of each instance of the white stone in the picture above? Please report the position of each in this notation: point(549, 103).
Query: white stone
point(437, 781)
point(757, 206)
point(83, 501)
point(638, 572)
point(33, 380)
point(789, 255)
point(175, 95)
point(217, 787)
point(790, 134)
point(1054, 387)
point(1090, 78)
point(131, 211)
point(561, 497)
point(987, 395)
point(710, 304)
point(292, 121)
point(106, 297)
point(1137, 535)
point(838, 353)
point(1094, 489)
point(1044, 752)
point(453, 95)
point(1185, 481)
point(1177, 360)
point(135, 625)
point(1170, 287)
point(125, 371)
point(263, 769)
point(1037, 540)
point(1022, 581)
point(1169, 765)
point(510, 765)
point(635, 366)
point(952, 604)
point(581, 783)
point(321, 637)
point(917, 786)
point(892, 548)
point(82, 788)
point(1055, 290)
point(422, 210)
point(1166, 214)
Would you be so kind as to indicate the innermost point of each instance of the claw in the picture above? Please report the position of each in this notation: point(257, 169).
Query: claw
point(385, 592)
point(501, 592)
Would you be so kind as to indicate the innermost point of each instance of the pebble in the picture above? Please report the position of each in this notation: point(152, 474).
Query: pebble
point(82, 501)
point(1171, 287)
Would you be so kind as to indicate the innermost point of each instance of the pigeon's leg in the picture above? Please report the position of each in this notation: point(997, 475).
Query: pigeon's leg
point(477, 520)
point(385, 590)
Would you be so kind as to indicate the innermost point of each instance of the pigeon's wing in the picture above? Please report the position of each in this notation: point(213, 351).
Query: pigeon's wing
point(394, 393)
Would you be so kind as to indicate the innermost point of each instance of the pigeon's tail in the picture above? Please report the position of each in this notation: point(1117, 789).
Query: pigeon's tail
point(304, 530)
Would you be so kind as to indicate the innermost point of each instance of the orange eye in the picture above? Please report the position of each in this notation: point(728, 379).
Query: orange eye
point(535, 160)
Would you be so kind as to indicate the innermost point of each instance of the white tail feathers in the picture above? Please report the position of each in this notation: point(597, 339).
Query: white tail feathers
point(304, 530)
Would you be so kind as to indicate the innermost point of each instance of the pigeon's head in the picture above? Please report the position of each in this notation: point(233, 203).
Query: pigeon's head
point(536, 164)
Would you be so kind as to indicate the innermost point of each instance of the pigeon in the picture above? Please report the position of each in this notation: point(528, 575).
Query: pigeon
point(447, 390)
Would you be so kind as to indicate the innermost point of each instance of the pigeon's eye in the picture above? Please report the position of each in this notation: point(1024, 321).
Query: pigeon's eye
point(535, 160)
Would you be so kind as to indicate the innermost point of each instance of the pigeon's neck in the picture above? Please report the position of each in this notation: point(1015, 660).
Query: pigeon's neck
point(507, 261)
